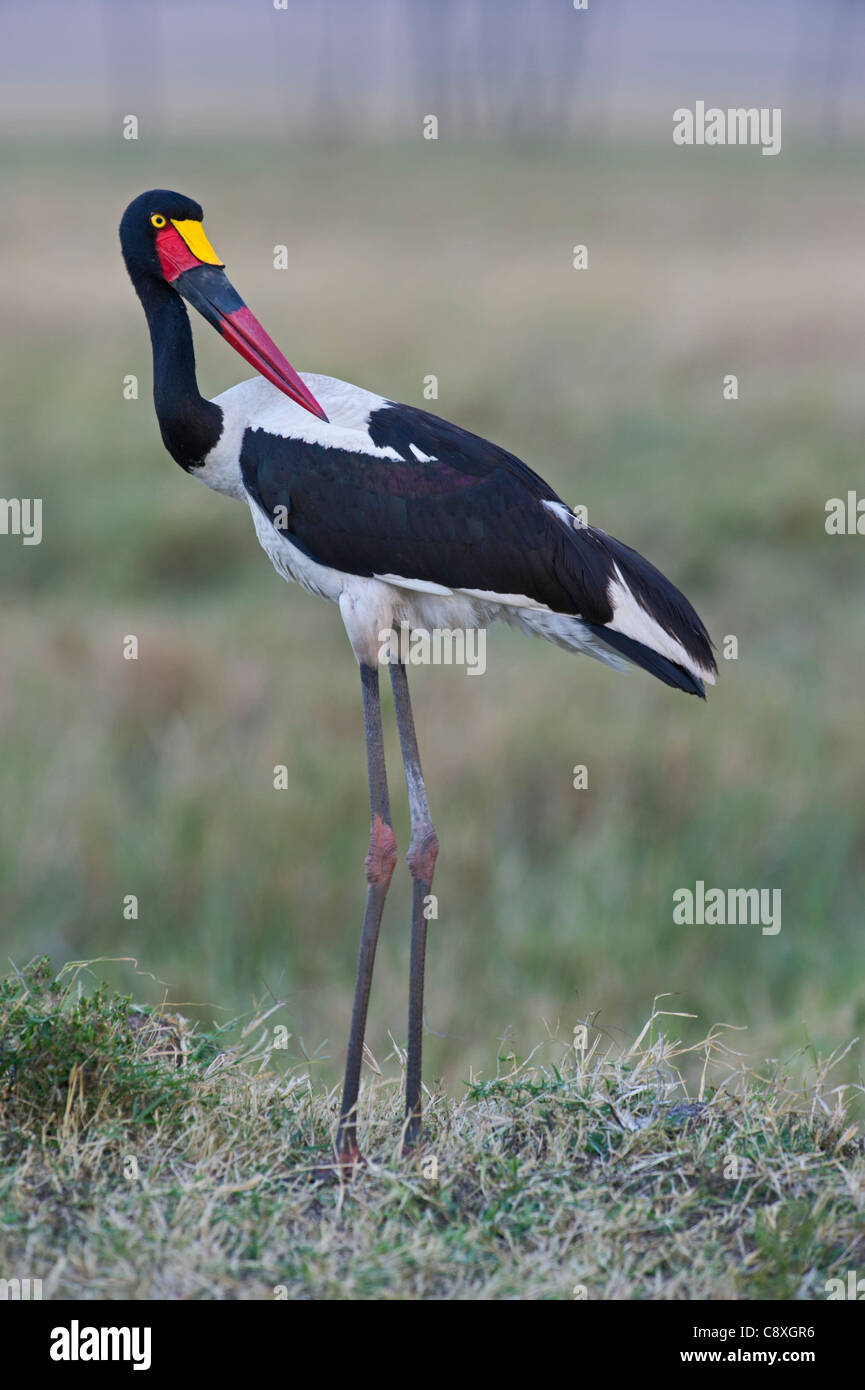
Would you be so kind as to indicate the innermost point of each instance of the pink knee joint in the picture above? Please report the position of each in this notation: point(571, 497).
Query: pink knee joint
point(421, 858)
point(381, 858)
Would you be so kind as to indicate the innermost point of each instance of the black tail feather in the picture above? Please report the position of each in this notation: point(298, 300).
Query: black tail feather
point(664, 602)
point(667, 671)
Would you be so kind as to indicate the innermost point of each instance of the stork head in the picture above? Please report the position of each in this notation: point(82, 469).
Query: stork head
point(163, 240)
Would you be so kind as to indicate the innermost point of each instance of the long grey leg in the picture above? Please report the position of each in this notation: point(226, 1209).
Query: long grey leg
point(380, 863)
point(422, 854)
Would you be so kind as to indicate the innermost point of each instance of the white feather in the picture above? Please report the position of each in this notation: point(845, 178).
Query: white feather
point(421, 456)
point(259, 405)
point(421, 586)
point(631, 619)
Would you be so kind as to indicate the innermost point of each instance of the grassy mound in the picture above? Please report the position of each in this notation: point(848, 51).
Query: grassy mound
point(144, 1158)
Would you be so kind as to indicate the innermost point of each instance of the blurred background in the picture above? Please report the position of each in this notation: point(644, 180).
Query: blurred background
point(411, 257)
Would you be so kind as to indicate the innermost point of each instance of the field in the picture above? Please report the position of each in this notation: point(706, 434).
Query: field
point(146, 1160)
point(155, 777)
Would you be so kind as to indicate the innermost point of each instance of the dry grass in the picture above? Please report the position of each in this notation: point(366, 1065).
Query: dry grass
point(144, 1159)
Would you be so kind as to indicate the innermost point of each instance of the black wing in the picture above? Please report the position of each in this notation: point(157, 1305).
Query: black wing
point(454, 510)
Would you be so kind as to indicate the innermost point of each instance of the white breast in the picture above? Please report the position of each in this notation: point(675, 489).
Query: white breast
point(292, 564)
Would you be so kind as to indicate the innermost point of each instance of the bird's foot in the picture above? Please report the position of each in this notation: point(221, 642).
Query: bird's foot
point(343, 1166)
point(412, 1139)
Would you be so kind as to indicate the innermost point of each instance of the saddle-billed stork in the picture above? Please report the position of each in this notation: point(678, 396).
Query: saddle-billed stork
point(399, 518)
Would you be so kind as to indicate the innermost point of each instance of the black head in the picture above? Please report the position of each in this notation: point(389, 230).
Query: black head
point(147, 216)
point(164, 245)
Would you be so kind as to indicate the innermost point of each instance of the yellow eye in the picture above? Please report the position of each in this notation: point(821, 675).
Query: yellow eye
point(158, 220)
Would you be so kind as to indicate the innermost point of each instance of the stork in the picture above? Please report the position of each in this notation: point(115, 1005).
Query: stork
point(405, 522)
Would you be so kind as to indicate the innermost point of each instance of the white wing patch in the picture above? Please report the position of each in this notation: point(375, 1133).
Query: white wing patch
point(629, 616)
point(421, 456)
point(631, 619)
point(564, 514)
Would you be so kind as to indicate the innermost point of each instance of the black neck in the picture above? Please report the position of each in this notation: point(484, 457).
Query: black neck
point(190, 424)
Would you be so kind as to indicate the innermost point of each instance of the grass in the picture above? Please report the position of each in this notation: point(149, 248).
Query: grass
point(144, 1158)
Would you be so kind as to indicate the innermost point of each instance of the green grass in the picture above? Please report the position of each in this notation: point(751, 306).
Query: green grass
point(146, 1159)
